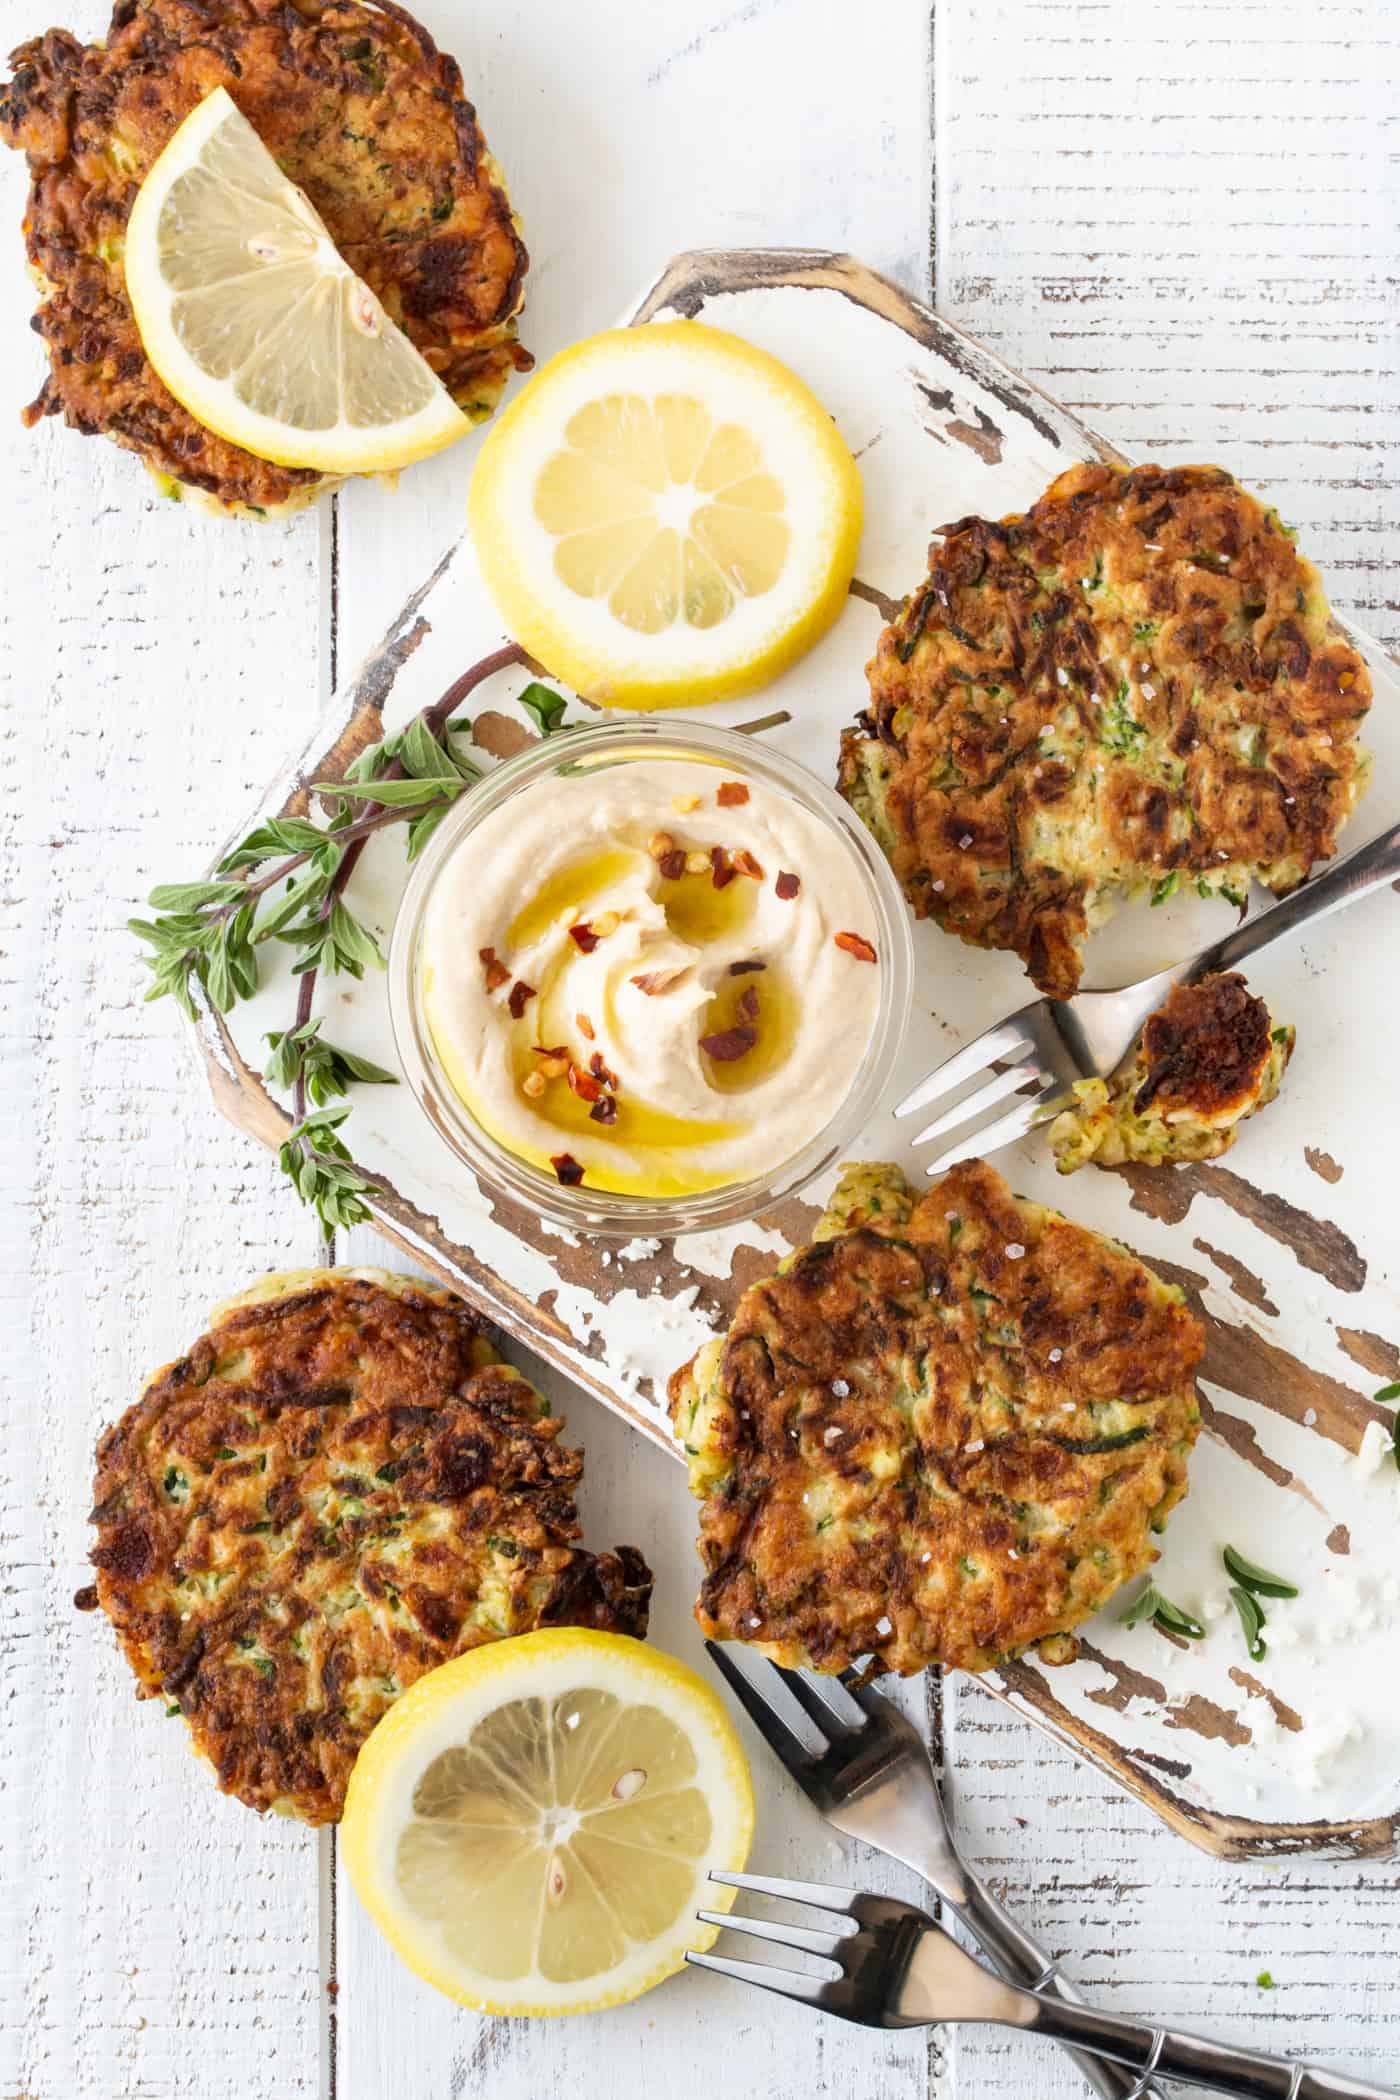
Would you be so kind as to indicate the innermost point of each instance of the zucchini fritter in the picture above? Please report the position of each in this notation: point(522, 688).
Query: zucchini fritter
point(1208, 1058)
point(360, 108)
point(943, 1433)
point(338, 1488)
point(1136, 684)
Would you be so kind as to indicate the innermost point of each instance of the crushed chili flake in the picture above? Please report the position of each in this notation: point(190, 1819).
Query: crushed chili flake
point(731, 794)
point(672, 864)
point(729, 1045)
point(742, 969)
point(747, 1008)
point(520, 996)
point(496, 972)
point(745, 864)
point(787, 885)
point(854, 945)
point(604, 1110)
point(600, 1070)
point(584, 936)
point(584, 1027)
point(583, 1084)
point(720, 871)
point(653, 981)
point(566, 1169)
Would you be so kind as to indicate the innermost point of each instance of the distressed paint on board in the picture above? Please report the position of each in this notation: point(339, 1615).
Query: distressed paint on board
point(1193, 1740)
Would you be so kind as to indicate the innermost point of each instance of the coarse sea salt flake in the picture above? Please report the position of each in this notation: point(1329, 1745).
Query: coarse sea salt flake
point(1015, 1251)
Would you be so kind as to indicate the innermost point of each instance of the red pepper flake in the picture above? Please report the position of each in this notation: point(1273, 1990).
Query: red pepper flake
point(672, 865)
point(586, 1087)
point(742, 969)
point(654, 981)
point(745, 864)
point(729, 1045)
point(731, 794)
point(720, 871)
point(854, 945)
point(584, 935)
point(566, 1169)
point(584, 1027)
point(520, 996)
point(496, 972)
point(747, 1008)
point(604, 1110)
point(600, 1070)
point(787, 886)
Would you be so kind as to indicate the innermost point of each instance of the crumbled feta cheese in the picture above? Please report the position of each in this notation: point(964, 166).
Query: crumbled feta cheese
point(1376, 1446)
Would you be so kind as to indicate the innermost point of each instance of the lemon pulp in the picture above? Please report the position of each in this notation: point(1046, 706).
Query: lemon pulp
point(258, 325)
point(533, 1824)
point(666, 515)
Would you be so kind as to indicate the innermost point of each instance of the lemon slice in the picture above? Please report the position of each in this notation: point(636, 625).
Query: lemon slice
point(531, 1825)
point(666, 515)
point(258, 325)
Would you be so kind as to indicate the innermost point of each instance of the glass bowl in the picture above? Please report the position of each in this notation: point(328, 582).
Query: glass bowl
point(599, 1211)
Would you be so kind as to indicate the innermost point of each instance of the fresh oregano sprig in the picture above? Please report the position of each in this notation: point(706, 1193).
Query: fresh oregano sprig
point(208, 933)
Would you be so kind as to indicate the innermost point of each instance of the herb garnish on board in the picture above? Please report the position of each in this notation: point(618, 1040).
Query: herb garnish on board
point(286, 881)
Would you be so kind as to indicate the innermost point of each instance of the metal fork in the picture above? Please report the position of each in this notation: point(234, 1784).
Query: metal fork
point(1051, 1043)
point(894, 1967)
point(873, 1778)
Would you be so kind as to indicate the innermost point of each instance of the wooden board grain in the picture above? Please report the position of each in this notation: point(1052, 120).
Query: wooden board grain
point(941, 428)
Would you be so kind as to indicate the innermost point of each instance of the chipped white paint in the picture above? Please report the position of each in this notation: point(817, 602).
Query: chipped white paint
point(1180, 220)
point(1172, 1717)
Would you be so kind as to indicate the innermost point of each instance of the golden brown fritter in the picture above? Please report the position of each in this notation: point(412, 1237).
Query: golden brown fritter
point(1136, 685)
point(358, 106)
point(337, 1489)
point(1209, 1058)
point(941, 1434)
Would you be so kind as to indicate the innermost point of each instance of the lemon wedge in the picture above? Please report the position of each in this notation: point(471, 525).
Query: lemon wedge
point(258, 325)
point(531, 1825)
point(666, 515)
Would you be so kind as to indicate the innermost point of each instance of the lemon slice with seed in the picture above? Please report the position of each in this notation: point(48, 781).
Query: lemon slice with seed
point(258, 325)
point(666, 515)
point(531, 1826)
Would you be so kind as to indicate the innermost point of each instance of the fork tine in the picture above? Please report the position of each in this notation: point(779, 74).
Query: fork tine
point(1009, 1039)
point(831, 1712)
point(776, 1733)
point(1008, 1082)
point(800, 1938)
point(788, 1983)
point(1005, 1131)
point(842, 1901)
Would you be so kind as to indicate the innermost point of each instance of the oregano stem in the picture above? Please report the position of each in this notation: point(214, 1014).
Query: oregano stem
point(354, 835)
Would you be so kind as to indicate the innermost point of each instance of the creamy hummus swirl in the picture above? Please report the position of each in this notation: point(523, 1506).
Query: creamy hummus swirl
point(657, 976)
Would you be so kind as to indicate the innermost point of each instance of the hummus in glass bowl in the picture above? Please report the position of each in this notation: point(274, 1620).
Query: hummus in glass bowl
point(649, 978)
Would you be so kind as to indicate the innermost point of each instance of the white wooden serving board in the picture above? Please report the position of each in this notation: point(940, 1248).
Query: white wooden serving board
point(1300, 1752)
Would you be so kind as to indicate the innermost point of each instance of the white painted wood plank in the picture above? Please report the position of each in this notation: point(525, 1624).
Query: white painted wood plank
point(1182, 221)
point(155, 1939)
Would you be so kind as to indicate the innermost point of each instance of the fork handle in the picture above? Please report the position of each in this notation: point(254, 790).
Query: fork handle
point(1022, 1960)
point(1345, 882)
point(1168, 2053)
